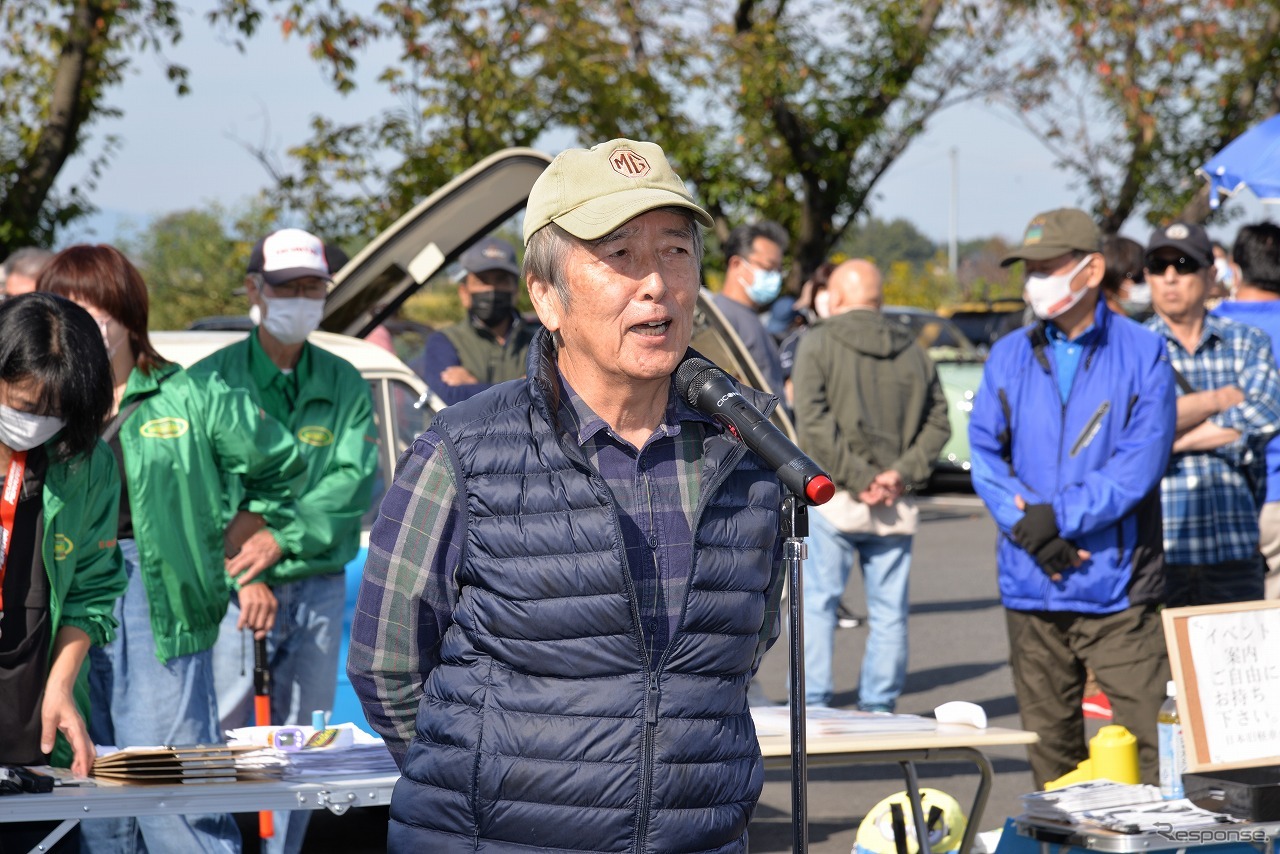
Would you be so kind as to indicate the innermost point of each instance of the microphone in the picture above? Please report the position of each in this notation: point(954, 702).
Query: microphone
point(710, 391)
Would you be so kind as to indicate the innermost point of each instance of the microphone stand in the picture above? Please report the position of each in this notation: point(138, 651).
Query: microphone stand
point(794, 528)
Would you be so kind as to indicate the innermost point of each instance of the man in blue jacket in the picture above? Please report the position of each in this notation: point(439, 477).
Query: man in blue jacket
point(1070, 435)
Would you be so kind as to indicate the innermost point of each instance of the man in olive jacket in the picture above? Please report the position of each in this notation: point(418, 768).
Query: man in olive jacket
point(870, 410)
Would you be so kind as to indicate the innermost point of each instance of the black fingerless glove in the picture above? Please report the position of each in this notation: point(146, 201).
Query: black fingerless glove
point(1036, 528)
point(1056, 556)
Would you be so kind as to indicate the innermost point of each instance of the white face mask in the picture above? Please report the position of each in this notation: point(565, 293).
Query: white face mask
point(1051, 296)
point(822, 303)
point(22, 431)
point(291, 320)
point(1223, 272)
point(1139, 298)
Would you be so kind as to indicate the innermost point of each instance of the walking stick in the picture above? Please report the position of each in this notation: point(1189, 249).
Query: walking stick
point(262, 717)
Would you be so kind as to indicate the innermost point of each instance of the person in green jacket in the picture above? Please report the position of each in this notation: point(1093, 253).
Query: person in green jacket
point(60, 568)
point(327, 407)
point(177, 437)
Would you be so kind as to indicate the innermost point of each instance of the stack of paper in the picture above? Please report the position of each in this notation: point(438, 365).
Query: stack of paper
point(821, 721)
point(339, 751)
point(1118, 806)
point(205, 764)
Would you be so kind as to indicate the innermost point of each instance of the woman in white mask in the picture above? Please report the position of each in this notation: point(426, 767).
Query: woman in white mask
point(60, 569)
point(177, 439)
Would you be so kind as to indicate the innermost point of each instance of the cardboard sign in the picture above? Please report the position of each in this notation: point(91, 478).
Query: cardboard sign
point(1226, 663)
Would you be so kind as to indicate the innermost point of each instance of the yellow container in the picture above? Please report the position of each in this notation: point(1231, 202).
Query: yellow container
point(1113, 755)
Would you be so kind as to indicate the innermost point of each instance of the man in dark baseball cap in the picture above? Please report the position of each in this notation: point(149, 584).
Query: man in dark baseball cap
point(1187, 239)
point(489, 345)
point(1069, 434)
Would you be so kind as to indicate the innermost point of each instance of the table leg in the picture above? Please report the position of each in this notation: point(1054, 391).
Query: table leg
point(986, 776)
point(54, 835)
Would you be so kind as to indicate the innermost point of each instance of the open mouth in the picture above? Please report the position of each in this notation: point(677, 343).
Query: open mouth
point(654, 328)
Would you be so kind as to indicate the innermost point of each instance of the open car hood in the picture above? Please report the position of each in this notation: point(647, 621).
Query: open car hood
point(400, 260)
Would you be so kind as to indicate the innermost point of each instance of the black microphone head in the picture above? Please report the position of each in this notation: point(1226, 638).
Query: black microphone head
point(691, 375)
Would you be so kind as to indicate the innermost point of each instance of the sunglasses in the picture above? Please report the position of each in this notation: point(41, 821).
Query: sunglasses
point(1181, 265)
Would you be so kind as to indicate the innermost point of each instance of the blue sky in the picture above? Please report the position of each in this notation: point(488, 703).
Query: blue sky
point(182, 152)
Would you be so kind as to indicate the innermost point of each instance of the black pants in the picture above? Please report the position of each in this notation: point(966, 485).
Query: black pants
point(1048, 652)
point(1211, 584)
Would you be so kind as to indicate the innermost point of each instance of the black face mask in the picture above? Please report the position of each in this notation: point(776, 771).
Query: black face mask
point(491, 307)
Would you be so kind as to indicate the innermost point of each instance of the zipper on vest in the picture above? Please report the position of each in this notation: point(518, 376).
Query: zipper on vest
point(652, 694)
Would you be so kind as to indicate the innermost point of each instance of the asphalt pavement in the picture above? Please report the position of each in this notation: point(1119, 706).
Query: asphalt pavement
point(958, 652)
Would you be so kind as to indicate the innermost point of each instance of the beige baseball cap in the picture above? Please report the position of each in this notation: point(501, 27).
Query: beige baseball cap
point(589, 192)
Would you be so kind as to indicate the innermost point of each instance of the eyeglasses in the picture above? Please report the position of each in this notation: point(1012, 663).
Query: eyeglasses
point(1181, 265)
point(309, 288)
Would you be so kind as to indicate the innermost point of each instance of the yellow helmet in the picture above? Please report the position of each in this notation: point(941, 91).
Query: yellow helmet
point(943, 817)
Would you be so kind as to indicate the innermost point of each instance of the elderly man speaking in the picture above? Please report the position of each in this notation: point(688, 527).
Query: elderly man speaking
point(575, 574)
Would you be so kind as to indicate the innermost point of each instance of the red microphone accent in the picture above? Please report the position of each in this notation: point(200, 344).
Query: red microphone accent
point(820, 489)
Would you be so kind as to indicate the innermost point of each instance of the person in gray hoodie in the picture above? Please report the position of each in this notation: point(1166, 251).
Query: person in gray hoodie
point(870, 410)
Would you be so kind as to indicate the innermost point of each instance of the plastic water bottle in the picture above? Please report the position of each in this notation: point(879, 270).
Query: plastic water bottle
point(1173, 756)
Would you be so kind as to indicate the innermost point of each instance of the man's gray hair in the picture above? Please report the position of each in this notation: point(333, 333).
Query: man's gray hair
point(547, 253)
point(27, 261)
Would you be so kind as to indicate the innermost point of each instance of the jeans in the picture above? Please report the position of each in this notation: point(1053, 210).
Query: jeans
point(302, 654)
point(137, 701)
point(886, 565)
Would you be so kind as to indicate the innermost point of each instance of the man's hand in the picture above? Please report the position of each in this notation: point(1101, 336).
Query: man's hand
point(258, 554)
point(457, 375)
point(257, 609)
point(874, 494)
point(1037, 526)
point(891, 482)
point(241, 527)
point(58, 713)
point(1058, 555)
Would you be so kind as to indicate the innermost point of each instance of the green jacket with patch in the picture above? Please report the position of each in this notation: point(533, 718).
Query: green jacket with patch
point(187, 434)
point(332, 422)
point(80, 557)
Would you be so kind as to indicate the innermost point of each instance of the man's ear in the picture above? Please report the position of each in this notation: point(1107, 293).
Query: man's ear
point(251, 289)
point(464, 295)
point(1097, 269)
point(546, 302)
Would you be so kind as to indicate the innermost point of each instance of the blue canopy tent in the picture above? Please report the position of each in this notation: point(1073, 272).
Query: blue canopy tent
point(1251, 160)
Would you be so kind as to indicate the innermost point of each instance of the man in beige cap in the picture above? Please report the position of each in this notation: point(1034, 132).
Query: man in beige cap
point(575, 575)
point(1069, 436)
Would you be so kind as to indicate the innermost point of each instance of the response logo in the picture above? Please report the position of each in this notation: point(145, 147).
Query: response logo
point(62, 547)
point(317, 437)
point(164, 428)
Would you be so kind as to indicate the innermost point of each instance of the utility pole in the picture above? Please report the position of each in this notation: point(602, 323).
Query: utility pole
point(953, 260)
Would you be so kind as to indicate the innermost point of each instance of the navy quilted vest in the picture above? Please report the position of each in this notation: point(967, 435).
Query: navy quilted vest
point(543, 729)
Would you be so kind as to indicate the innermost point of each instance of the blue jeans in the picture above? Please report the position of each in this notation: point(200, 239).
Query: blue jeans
point(302, 653)
point(886, 565)
point(137, 701)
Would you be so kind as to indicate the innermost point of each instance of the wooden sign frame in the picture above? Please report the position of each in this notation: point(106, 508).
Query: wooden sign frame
point(1197, 721)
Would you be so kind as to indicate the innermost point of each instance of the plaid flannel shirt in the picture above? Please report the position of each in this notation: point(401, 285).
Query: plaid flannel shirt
point(408, 595)
point(1210, 499)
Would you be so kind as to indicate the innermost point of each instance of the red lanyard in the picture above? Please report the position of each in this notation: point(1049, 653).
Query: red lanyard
point(9, 511)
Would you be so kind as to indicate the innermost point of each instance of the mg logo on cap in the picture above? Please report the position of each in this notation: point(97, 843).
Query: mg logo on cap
point(629, 164)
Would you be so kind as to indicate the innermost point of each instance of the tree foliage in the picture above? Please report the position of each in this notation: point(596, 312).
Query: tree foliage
point(194, 260)
point(59, 60)
point(791, 111)
point(1131, 96)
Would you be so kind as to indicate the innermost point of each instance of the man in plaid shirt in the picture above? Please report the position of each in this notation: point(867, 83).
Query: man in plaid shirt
point(1228, 407)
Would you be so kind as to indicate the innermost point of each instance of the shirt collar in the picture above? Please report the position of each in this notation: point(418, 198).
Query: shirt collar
point(1057, 336)
point(1213, 327)
point(265, 372)
point(581, 422)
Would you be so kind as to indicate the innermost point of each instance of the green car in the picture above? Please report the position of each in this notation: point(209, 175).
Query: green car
point(959, 370)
